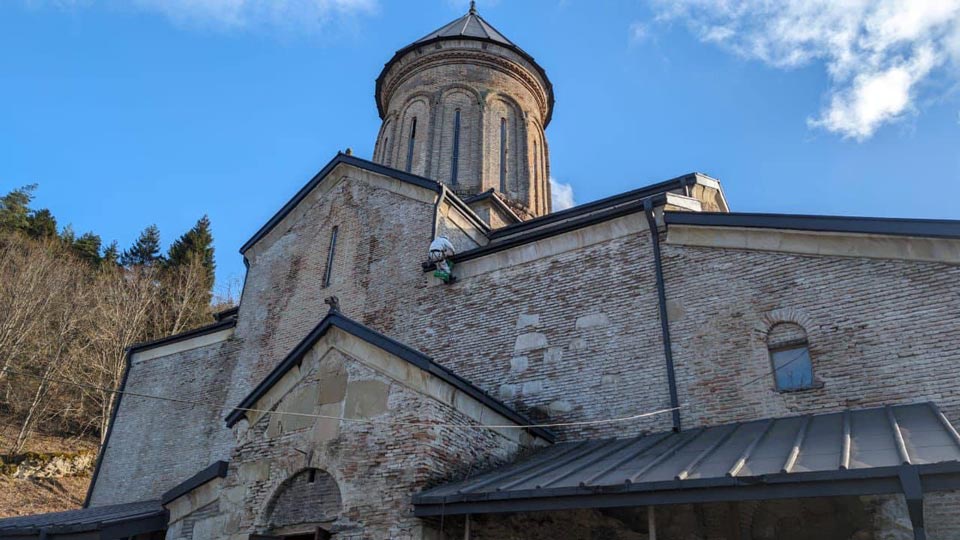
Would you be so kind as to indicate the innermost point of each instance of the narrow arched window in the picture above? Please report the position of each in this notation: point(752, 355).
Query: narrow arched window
point(410, 143)
point(790, 357)
point(454, 166)
point(536, 162)
point(331, 252)
point(503, 155)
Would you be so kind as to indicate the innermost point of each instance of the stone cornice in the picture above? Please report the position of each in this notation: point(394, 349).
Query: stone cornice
point(402, 72)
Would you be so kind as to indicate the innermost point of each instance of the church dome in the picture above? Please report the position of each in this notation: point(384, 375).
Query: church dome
point(466, 106)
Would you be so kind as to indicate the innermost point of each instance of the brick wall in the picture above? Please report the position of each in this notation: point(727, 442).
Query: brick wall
point(154, 445)
point(486, 83)
point(879, 331)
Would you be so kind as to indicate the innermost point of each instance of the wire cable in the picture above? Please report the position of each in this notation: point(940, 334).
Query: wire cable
point(381, 422)
point(341, 418)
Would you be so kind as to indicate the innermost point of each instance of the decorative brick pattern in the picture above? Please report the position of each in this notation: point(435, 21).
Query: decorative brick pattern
point(488, 84)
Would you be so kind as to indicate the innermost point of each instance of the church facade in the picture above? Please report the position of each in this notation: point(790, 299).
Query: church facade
point(736, 376)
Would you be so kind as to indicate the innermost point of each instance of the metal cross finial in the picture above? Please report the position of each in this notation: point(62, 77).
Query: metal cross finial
point(473, 7)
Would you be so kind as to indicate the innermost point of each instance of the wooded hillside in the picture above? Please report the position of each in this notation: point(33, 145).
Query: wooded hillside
point(70, 306)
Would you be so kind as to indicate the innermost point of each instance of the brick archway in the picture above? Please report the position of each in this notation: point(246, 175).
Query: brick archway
point(309, 497)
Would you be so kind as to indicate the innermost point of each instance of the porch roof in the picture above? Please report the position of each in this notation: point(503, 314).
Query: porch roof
point(104, 522)
point(893, 449)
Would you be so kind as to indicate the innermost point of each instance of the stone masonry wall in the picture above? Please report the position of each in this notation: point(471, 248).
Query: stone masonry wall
point(569, 336)
point(377, 467)
point(155, 445)
point(382, 239)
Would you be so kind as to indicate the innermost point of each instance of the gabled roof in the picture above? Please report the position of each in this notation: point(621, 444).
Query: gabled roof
point(335, 319)
point(932, 228)
point(853, 452)
point(115, 521)
point(497, 200)
point(581, 216)
point(319, 177)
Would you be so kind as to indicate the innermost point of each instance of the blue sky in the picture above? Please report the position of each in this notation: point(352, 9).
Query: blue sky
point(160, 111)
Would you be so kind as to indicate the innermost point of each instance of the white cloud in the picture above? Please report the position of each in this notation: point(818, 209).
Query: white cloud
point(306, 15)
point(638, 32)
point(561, 195)
point(877, 53)
point(232, 14)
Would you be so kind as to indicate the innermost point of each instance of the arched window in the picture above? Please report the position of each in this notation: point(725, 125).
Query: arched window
point(455, 160)
point(790, 357)
point(503, 155)
point(411, 143)
point(331, 252)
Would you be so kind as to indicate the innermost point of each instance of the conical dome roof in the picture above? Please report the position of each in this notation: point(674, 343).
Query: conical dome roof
point(469, 26)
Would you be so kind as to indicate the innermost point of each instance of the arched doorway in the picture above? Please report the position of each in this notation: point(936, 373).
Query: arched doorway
point(304, 507)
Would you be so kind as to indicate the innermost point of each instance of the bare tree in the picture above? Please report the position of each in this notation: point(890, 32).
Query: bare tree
point(122, 308)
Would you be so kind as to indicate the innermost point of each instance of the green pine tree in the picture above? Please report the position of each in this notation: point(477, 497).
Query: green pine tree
point(41, 224)
point(67, 236)
point(145, 251)
point(111, 255)
point(87, 247)
point(15, 209)
point(197, 243)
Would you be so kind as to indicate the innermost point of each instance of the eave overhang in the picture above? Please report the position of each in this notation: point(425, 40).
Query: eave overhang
point(340, 158)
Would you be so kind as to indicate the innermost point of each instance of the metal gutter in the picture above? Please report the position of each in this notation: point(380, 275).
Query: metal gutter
point(655, 189)
point(648, 206)
point(567, 226)
point(851, 482)
point(932, 228)
point(217, 469)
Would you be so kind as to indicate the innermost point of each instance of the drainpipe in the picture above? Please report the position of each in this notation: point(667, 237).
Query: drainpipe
point(651, 523)
point(466, 528)
point(436, 211)
point(662, 303)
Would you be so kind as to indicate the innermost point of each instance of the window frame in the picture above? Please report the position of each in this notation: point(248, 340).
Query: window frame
point(792, 345)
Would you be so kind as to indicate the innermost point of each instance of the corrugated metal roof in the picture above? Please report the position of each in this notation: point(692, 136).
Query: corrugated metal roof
point(85, 520)
point(847, 442)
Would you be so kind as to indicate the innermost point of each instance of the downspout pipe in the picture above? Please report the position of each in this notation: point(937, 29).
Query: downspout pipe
point(648, 208)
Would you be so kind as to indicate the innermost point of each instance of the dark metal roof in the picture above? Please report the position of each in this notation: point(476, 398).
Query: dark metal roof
point(474, 27)
point(935, 228)
point(572, 222)
point(222, 323)
point(432, 185)
point(673, 184)
point(470, 25)
point(418, 359)
point(850, 452)
point(115, 521)
point(216, 470)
